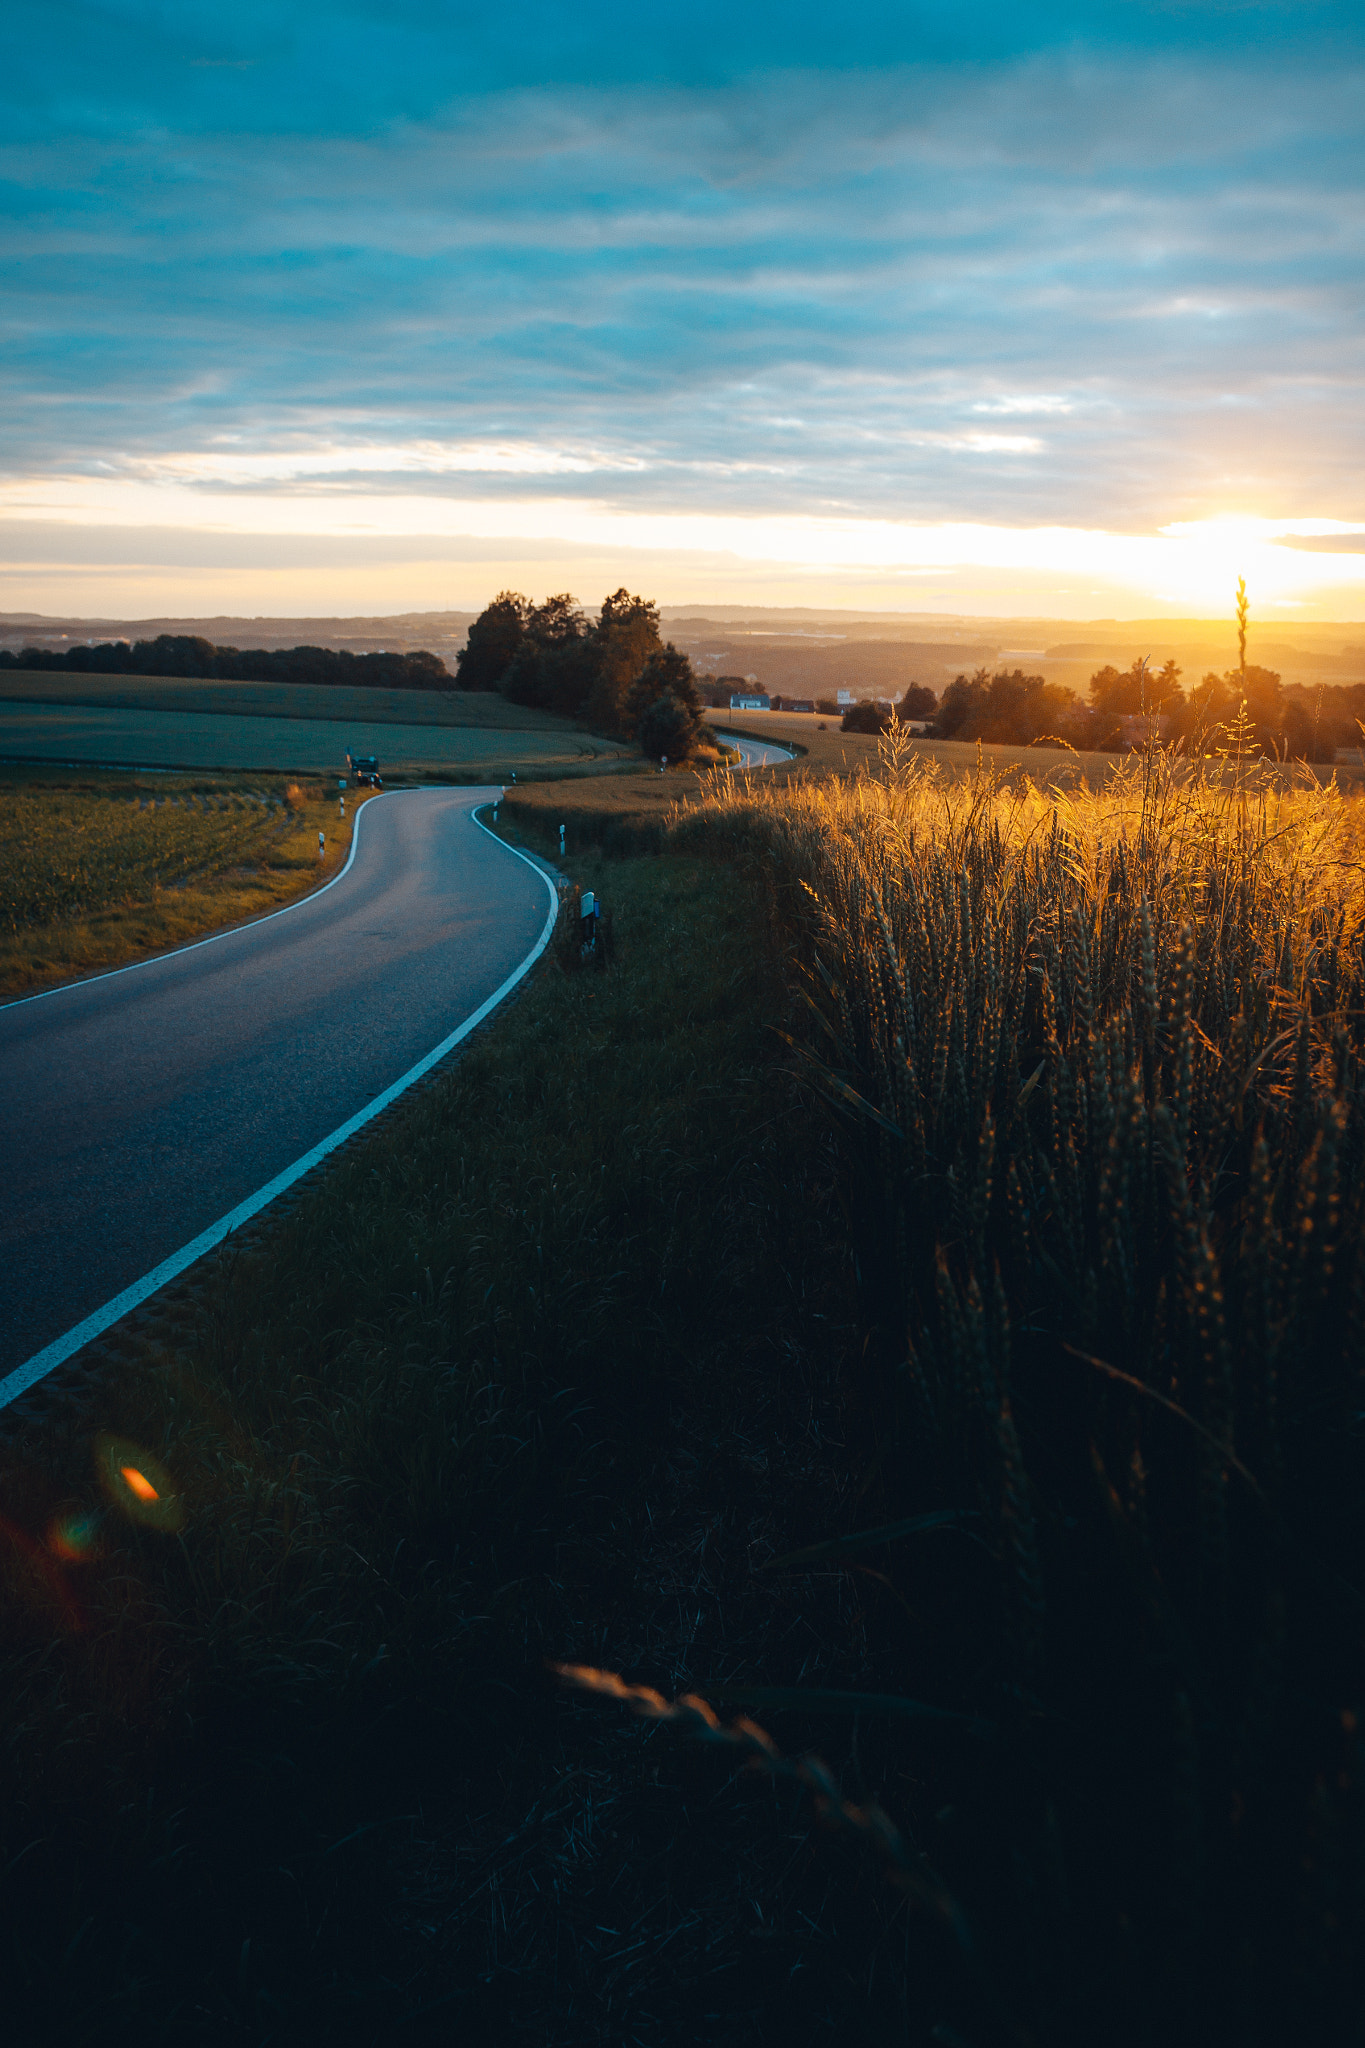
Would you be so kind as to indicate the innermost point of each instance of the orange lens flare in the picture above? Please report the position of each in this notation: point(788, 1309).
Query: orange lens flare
point(138, 1485)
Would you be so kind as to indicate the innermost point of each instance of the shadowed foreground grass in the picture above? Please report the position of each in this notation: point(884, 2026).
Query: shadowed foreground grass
point(1007, 1377)
point(1098, 1063)
point(543, 1370)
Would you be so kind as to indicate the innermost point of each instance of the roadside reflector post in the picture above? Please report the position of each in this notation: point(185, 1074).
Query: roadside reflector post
point(322, 846)
point(561, 842)
point(663, 763)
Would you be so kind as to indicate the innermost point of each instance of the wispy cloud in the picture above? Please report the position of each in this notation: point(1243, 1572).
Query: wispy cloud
point(740, 296)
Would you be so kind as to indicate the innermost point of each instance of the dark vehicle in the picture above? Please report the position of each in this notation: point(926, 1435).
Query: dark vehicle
point(363, 770)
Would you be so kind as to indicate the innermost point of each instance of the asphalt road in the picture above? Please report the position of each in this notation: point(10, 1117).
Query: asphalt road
point(756, 753)
point(142, 1106)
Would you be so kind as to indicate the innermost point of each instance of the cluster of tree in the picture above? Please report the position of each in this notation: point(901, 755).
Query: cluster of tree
point(1242, 708)
point(186, 654)
point(872, 715)
point(614, 671)
point(1009, 709)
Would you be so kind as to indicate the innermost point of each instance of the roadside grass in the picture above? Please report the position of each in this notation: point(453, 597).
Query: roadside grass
point(99, 869)
point(544, 1368)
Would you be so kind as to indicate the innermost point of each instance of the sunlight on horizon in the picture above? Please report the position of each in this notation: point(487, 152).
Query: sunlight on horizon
point(1295, 566)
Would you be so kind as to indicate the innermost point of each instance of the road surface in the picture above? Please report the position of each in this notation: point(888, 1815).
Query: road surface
point(755, 753)
point(142, 1106)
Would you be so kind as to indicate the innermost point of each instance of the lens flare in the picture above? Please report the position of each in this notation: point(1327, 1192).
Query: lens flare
point(38, 1580)
point(73, 1537)
point(138, 1484)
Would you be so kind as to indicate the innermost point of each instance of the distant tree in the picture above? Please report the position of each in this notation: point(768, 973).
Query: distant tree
point(665, 675)
point(865, 716)
point(1214, 707)
point(962, 704)
point(555, 666)
point(627, 634)
point(177, 654)
point(557, 621)
point(1136, 690)
point(918, 702)
point(669, 725)
point(1009, 709)
point(492, 642)
point(830, 706)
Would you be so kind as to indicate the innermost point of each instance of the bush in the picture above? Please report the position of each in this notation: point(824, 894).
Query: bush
point(865, 717)
point(670, 725)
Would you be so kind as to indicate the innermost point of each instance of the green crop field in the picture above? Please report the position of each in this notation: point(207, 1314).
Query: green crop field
point(309, 746)
point(277, 700)
point(100, 869)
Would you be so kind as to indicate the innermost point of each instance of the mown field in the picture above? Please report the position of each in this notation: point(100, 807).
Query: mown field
point(470, 709)
point(913, 1295)
point(99, 869)
point(299, 746)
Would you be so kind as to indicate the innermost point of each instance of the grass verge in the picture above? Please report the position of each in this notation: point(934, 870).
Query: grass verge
point(542, 1370)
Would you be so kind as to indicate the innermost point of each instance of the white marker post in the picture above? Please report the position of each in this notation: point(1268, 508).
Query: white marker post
point(663, 763)
point(561, 842)
point(322, 846)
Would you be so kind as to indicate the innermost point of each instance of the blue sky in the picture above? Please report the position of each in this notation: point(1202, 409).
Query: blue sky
point(1004, 309)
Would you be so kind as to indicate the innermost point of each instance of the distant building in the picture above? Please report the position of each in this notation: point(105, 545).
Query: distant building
point(748, 702)
point(801, 704)
point(844, 698)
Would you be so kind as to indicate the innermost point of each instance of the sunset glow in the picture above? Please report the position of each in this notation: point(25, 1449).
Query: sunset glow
point(898, 317)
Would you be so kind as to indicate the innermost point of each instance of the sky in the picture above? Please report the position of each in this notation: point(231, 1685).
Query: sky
point(1002, 309)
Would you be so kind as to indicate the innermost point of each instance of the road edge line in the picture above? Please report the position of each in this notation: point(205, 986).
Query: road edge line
point(101, 1319)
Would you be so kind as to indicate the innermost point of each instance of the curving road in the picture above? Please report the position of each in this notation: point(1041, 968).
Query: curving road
point(144, 1106)
point(755, 753)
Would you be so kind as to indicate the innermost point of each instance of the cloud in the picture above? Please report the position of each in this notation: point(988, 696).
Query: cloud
point(742, 297)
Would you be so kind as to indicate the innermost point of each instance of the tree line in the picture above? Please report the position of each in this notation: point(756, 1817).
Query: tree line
point(1249, 709)
point(614, 672)
point(188, 655)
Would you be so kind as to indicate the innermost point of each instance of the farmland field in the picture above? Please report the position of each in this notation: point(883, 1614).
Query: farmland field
point(310, 746)
point(277, 700)
point(109, 868)
point(829, 751)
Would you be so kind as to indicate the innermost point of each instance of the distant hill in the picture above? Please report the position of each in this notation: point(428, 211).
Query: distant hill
point(442, 633)
point(805, 650)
